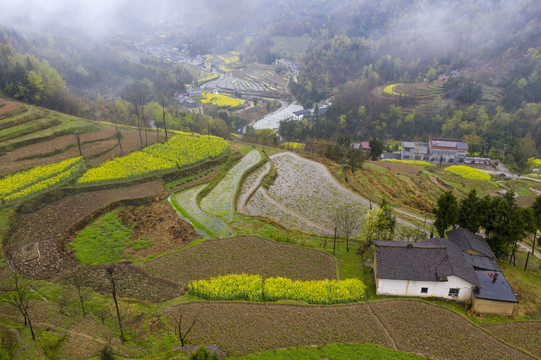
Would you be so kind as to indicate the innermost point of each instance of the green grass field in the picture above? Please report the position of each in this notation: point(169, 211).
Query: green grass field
point(105, 241)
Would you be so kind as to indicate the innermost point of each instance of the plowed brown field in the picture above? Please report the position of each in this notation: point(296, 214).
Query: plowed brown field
point(414, 326)
point(245, 254)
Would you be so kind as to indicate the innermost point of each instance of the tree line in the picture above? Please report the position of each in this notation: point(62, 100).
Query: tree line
point(502, 222)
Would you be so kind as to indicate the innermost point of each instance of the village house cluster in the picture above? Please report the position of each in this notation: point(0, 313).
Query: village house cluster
point(440, 150)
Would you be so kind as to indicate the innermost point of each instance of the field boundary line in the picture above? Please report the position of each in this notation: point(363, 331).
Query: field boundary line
point(395, 348)
point(483, 329)
point(259, 180)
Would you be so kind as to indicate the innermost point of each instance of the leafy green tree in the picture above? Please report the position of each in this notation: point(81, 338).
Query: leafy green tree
point(462, 90)
point(343, 148)
point(376, 148)
point(446, 212)
point(469, 216)
point(203, 354)
point(504, 222)
point(385, 223)
point(536, 209)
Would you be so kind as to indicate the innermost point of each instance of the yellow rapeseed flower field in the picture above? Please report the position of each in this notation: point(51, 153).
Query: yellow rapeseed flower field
point(293, 146)
point(410, 162)
point(390, 90)
point(208, 77)
point(28, 183)
point(255, 288)
point(221, 100)
point(177, 153)
point(468, 172)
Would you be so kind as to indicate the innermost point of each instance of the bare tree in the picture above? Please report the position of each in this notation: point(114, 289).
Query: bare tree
point(17, 292)
point(79, 144)
point(137, 94)
point(118, 137)
point(180, 322)
point(78, 280)
point(162, 89)
point(110, 273)
point(347, 221)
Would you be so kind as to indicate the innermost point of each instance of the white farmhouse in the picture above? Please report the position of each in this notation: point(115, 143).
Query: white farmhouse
point(462, 268)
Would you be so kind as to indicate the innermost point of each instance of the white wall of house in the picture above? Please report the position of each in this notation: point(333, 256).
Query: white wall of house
point(433, 289)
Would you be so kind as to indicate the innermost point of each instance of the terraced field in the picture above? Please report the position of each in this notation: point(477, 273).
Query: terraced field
point(246, 254)
point(36, 137)
point(205, 224)
point(219, 202)
point(250, 185)
point(252, 79)
point(410, 326)
point(303, 195)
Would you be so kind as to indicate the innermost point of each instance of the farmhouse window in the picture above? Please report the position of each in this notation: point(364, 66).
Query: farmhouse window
point(453, 292)
point(424, 290)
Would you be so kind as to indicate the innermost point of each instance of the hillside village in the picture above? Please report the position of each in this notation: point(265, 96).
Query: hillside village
point(270, 180)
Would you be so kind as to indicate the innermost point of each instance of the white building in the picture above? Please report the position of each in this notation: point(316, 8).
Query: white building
point(462, 268)
point(435, 151)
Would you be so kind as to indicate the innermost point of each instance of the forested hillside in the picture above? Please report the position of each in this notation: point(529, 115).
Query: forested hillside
point(396, 70)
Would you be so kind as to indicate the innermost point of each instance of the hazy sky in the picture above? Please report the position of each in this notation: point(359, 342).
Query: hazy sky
point(438, 25)
point(93, 17)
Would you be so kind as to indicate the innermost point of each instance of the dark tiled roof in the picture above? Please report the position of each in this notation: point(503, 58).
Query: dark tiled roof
point(481, 262)
point(466, 240)
point(431, 260)
point(494, 290)
point(437, 258)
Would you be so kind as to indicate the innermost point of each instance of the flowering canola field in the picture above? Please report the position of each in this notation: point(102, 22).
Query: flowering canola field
point(293, 146)
point(29, 183)
point(221, 100)
point(410, 162)
point(254, 288)
point(468, 172)
point(177, 153)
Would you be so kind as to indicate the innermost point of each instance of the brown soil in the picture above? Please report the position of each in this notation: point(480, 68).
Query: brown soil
point(203, 179)
point(96, 150)
point(415, 327)
point(130, 142)
point(160, 224)
point(95, 143)
point(8, 106)
point(34, 246)
point(132, 282)
point(397, 167)
point(526, 335)
point(243, 328)
point(439, 333)
point(245, 254)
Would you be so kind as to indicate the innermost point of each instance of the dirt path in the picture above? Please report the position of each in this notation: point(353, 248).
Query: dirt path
point(523, 247)
point(378, 321)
